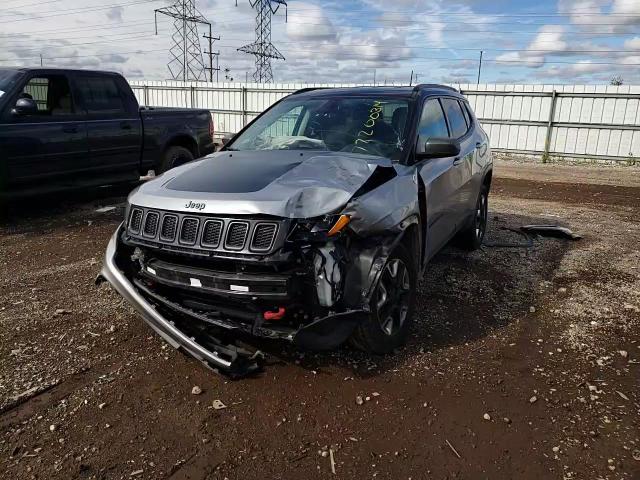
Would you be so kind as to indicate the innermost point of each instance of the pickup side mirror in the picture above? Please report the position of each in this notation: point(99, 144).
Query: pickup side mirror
point(25, 106)
point(437, 148)
point(227, 138)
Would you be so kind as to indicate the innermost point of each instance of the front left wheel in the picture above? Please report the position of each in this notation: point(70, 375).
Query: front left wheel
point(392, 305)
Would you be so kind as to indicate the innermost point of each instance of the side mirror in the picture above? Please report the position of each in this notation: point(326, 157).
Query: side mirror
point(227, 138)
point(437, 148)
point(25, 106)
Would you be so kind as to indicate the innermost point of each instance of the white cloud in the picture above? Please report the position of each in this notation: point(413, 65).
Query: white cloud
point(602, 16)
point(632, 44)
point(549, 40)
point(309, 22)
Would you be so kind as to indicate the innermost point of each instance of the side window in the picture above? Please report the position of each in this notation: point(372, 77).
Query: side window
point(101, 95)
point(465, 112)
point(455, 116)
point(51, 93)
point(432, 122)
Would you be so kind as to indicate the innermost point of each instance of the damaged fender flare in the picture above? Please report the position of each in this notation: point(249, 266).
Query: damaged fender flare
point(363, 277)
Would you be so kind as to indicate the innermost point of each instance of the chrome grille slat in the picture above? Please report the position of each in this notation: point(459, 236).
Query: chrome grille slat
point(212, 233)
point(135, 221)
point(201, 234)
point(169, 227)
point(150, 228)
point(236, 235)
point(263, 236)
point(189, 230)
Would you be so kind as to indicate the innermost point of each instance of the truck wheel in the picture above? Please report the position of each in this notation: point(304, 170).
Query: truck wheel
point(392, 306)
point(173, 157)
point(471, 237)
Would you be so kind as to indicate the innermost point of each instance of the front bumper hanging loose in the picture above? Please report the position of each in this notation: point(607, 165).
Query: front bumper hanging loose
point(228, 358)
point(321, 334)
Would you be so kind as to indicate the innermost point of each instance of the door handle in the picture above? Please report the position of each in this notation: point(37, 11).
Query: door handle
point(125, 126)
point(457, 161)
point(70, 129)
point(482, 147)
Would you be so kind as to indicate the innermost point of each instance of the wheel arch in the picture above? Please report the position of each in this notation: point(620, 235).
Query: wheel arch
point(182, 140)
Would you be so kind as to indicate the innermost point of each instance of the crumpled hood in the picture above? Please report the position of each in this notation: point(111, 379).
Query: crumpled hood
point(284, 183)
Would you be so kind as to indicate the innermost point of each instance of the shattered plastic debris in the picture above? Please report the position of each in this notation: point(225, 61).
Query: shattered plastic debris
point(218, 405)
point(105, 209)
point(555, 231)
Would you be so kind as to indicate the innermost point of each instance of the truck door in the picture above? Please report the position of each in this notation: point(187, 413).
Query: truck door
point(50, 142)
point(462, 172)
point(114, 127)
point(436, 173)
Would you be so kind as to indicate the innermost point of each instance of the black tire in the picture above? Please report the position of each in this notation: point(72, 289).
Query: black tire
point(174, 156)
point(471, 237)
point(387, 326)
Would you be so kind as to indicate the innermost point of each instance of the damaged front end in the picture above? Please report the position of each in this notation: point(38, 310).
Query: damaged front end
point(207, 282)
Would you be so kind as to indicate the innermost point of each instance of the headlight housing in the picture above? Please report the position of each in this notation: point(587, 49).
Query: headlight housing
point(322, 228)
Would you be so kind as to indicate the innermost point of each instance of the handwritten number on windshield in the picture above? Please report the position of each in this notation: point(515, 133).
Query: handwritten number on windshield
point(374, 115)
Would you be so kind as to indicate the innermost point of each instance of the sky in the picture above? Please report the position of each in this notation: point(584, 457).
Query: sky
point(523, 41)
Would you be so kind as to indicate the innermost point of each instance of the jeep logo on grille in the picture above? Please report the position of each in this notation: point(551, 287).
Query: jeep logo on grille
point(195, 206)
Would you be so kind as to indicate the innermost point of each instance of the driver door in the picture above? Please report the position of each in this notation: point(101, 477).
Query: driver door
point(51, 142)
point(439, 179)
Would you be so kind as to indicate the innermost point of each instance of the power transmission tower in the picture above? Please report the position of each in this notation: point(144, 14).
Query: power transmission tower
point(186, 61)
point(262, 48)
point(212, 54)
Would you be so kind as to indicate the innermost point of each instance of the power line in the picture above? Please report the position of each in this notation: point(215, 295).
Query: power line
point(421, 61)
point(431, 13)
point(86, 56)
point(75, 11)
point(143, 34)
point(98, 26)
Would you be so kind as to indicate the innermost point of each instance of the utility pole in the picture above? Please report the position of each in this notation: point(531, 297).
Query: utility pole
point(262, 48)
point(186, 61)
point(411, 79)
point(480, 66)
point(41, 60)
point(211, 54)
point(374, 77)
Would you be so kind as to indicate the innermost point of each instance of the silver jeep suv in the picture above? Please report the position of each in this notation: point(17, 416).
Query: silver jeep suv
point(312, 225)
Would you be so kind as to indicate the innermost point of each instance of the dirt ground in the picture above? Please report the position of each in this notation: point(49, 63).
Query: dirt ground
point(524, 362)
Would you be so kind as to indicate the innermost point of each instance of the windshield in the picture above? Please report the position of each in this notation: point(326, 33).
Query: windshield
point(7, 79)
point(373, 126)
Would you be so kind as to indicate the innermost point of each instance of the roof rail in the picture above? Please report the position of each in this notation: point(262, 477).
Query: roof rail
point(434, 85)
point(308, 89)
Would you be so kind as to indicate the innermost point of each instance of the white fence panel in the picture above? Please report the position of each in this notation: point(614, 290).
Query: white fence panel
point(556, 120)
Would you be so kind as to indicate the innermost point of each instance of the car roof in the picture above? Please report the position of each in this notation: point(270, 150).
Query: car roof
point(54, 70)
point(386, 91)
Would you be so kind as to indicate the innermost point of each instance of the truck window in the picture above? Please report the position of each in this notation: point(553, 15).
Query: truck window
point(101, 95)
point(432, 122)
point(456, 118)
point(51, 93)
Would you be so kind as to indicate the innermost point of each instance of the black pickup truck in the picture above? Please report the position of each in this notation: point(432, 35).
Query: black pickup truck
point(64, 128)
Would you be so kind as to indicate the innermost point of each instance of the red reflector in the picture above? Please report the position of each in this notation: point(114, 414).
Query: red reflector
point(274, 315)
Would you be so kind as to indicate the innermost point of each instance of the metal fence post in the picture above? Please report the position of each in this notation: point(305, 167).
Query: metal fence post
point(552, 113)
point(244, 106)
point(192, 92)
point(145, 95)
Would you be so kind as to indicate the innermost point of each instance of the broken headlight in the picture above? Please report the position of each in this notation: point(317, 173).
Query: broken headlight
point(320, 229)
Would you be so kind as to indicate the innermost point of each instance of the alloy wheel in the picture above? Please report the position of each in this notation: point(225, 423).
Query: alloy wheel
point(392, 296)
point(481, 216)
